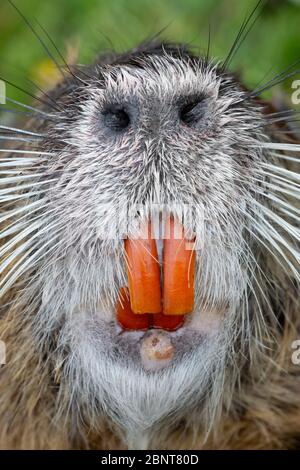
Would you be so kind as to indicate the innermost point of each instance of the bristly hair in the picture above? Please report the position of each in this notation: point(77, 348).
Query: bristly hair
point(71, 381)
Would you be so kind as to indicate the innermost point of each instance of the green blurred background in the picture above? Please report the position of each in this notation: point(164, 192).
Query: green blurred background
point(97, 25)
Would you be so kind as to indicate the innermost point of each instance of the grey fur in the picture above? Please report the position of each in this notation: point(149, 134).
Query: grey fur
point(224, 168)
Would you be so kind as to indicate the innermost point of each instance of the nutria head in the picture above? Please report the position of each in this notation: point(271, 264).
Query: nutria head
point(156, 133)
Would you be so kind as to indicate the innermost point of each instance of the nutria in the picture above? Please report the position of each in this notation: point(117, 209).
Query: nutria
point(159, 127)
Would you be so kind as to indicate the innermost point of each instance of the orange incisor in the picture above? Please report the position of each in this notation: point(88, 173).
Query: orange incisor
point(178, 272)
point(143, 274)
point(148, 303)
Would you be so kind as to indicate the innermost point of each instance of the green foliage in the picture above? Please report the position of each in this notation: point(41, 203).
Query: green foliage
point(97, 25)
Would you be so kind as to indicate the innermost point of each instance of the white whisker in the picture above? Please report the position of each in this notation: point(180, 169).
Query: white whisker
point(16, 179)
point(278, 201)
point(19, 237)
point(280, 178)
point(279, 220)
point(26, 208)
point(286, 157)
point(25, 196)
point(23, 221)
point(289, 192)
point(281, 170)
point(26, 163)
point(29, 152)
point(23, 263)
point(31, 108)
point(279, 146)
point(283, 242)
point(21, 131)
point(19, 139)
point(269, 241)
point(26, 186)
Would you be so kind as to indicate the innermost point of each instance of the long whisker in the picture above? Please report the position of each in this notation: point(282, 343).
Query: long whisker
point(280, 202)
point(26, 208)
point(276, 169)
point(281, 180)
point(24, 221)
point(18, 238)
point(279, 146)
point(21, 164)
point(284, 190)
point(279, 220)
point(61, 55)
point(34, 110)
point(18, 112)
point(279, 78)
point(21, 131)
point(20, 139)
point(274, 235)
point(43, 92)
point(270, 241)
point(16, 179)
point(19, 197)
point(40, 40)
point(29, 152)
point(243, 33)
point(286, 157)
point(31, 95)
point(286, 112)
point(24, 262)
point(26, 186)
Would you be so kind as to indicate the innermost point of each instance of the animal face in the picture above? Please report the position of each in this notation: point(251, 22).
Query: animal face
point(159, 136)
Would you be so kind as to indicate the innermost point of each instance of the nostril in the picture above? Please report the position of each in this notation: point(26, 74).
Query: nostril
point(192, 112)
point(116, 118)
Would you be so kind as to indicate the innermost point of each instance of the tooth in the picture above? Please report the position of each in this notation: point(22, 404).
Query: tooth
point(127, 319)
point(167, 322)
point(178, 272)
point(143, 274)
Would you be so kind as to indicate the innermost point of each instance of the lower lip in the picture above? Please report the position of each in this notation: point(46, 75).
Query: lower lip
point(155, 349)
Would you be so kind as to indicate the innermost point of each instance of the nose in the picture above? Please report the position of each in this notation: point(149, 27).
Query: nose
point(155, 114)
point(185, 111)
point(117, 118)
point(192, 110)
